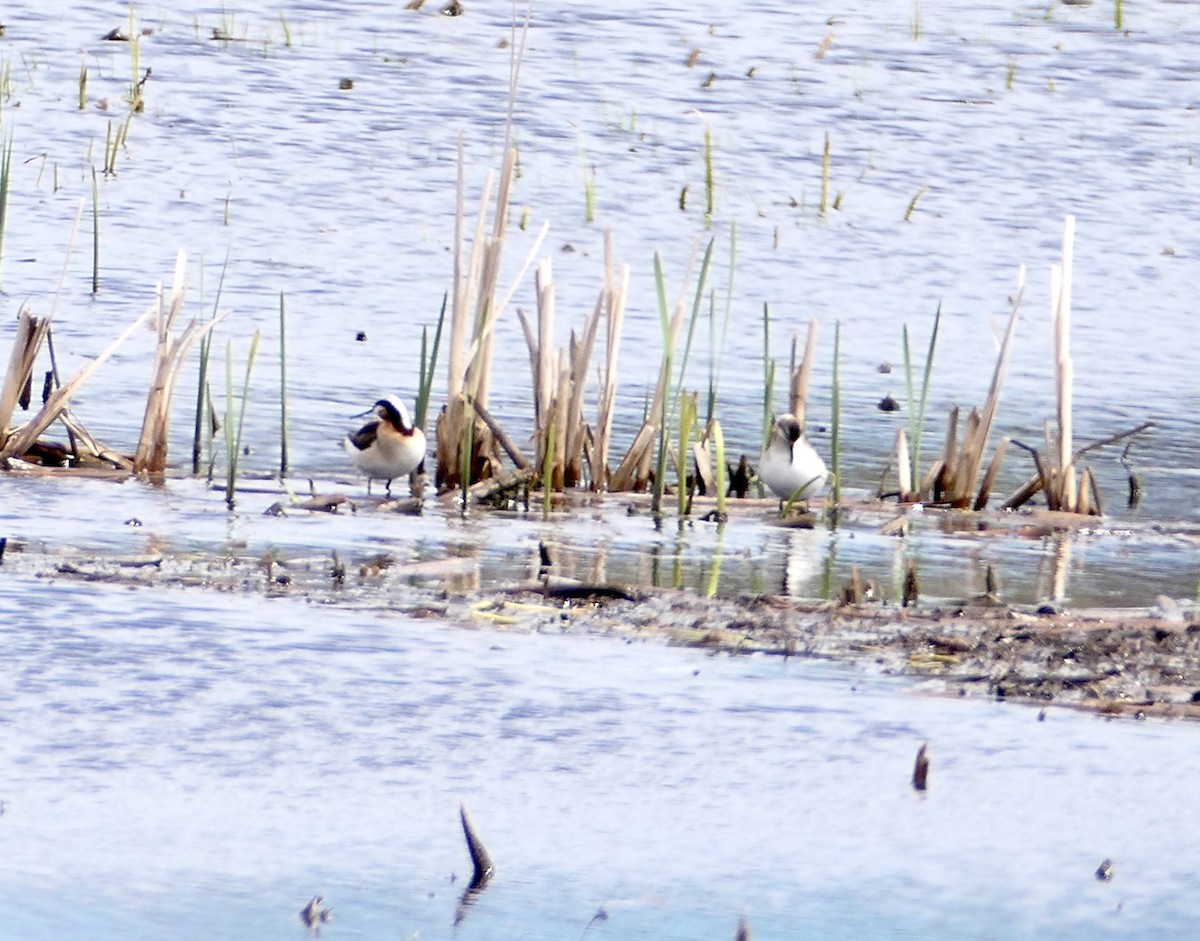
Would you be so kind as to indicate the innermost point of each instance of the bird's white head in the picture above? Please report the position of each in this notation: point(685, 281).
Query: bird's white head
point(393, 411)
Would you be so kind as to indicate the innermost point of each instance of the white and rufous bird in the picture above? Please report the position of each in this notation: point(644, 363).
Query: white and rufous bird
point(388, 446)
point(789, 463)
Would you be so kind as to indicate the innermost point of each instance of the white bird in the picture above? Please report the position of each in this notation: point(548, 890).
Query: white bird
point(388, 446)
point(790, 463)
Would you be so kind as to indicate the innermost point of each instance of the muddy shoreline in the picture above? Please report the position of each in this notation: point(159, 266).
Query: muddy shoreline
point(1118, 661)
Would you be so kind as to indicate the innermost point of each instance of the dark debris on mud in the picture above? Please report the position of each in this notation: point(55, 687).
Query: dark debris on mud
point(1117, 662)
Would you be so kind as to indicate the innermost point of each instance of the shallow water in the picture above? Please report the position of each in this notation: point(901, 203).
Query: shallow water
point(200, 765)
point(344, 200)
point(197, 764)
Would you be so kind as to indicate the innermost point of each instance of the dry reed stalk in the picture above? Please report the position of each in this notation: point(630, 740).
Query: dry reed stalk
point(21, 440)
point(904, 468)
point(474, 313)
point(798, 392)
point(1065, 491)
point(633, 473)
point(30, 334)
point(989, 479)
point(979, 425)
point(170, 351)
point(612, 300)
point(575, 439)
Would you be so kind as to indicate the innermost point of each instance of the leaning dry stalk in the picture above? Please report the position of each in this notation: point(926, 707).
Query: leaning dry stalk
point(978, 429)
point(23, 439)
point(31, 332)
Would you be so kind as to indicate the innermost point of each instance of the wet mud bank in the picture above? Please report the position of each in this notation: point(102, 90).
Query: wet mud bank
point(1134, 662)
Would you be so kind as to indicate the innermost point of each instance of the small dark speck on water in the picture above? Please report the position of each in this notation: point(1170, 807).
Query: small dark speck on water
point(345, 84)
point(1104, 872)
point(884, 368)
point(3, 546)
point(361, 336)
point(888, 404)
point(133, 521)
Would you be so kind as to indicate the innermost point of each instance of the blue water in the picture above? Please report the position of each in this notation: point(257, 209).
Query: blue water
point(198, 764)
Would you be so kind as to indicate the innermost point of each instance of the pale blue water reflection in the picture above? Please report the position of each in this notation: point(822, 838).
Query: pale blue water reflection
point(199, 765)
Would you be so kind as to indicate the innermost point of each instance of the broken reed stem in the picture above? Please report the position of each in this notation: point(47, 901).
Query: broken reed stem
point(21, 440)
point(30, 333)
point(979, 424)
point(170, 352)
point(798, 397)
point(1064, 369)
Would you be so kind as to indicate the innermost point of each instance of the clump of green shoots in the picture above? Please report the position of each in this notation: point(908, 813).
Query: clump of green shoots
point(916, 419)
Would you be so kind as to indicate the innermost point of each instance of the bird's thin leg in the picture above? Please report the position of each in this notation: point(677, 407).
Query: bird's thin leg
point(388, 488)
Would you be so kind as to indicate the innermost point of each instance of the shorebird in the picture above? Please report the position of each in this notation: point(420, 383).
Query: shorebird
point(388, 446)
point(789, 463)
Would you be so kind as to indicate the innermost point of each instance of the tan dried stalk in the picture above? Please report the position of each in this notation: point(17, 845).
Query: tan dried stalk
point(170, 352)
point(23, 439)
point(612, 304)
point(798, 397)
point(31, 333)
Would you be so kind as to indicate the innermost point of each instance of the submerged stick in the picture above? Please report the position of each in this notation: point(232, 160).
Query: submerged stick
point(481, 860)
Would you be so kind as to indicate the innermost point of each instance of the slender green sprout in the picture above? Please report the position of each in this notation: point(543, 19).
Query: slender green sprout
point(718, 438)
point(428, 365)
point(708, 174)
point(916, 420)
point(824, 204)
point(202, 391)
point(1118, 14)
point(283, 392)
point(83, 80)
point(687, 421)
point(5, 179)
point(233, 440)
point(95, 234)
point(548, 468)
point(768, 376)
point(717, 349)
point(835, 439)
point(664, 317)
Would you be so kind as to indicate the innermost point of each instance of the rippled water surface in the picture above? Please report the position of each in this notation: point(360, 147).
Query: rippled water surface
point(199, 765)
point(193, 764)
